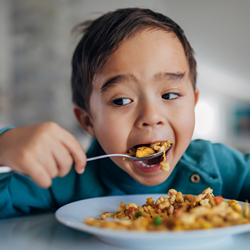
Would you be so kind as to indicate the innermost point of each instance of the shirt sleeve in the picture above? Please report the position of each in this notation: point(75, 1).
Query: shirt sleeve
point(19, 195)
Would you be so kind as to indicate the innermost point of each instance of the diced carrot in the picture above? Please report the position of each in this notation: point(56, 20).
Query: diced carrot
point(131, 209)
point(179, 212)
point(218, 199)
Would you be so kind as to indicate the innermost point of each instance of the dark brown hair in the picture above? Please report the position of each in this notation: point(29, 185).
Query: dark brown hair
point(102, 36)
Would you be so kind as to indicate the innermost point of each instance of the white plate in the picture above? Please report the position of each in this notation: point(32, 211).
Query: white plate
point(73, 214)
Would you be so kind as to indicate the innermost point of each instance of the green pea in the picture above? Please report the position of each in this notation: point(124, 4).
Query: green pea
point(157, 221)
point(138, 214)
point(244, 215)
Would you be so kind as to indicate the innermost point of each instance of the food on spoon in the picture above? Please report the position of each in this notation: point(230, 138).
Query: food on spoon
point(150, 149)
point(174, 213)
point(144, 151)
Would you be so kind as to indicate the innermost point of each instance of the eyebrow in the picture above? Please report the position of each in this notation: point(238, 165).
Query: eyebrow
point(174, 77)
point(111, 82)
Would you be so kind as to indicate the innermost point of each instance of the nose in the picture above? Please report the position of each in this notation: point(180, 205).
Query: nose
point(149, 116)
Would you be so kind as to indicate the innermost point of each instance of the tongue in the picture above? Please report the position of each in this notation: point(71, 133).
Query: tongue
point(153, 161)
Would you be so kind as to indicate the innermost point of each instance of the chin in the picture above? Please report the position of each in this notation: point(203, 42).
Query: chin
point(150, 181)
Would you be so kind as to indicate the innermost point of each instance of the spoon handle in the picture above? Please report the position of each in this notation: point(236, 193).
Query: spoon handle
point(5, 169)
point(105, 156)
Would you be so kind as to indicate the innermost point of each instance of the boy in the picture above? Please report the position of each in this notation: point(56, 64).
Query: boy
point(133, 83)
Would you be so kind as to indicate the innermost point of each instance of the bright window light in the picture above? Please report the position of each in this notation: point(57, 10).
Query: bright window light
point(205, 121)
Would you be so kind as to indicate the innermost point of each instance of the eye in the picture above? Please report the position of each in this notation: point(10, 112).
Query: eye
point(121, 101)
point(169, 96)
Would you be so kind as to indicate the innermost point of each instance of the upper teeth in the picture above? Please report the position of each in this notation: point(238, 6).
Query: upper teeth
point(145, 165)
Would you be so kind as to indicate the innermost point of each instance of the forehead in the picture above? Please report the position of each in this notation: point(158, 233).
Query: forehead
point(145, 54)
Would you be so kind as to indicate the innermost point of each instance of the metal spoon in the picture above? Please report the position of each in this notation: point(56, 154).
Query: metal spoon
point(5, 169)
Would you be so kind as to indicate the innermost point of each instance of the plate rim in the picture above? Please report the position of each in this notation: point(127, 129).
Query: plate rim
point(133, 234)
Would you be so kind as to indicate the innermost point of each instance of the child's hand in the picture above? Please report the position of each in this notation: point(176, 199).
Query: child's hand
point(41, 151)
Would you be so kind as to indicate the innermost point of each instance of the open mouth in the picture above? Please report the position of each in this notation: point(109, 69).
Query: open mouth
point(153, 164)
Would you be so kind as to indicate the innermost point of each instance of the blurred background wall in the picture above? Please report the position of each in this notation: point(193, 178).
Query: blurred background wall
point(36, 48)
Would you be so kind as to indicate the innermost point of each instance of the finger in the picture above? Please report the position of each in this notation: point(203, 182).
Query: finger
point(63, 159)
point(49, 164)
point(36, 171)
point(26, 164)
point(76, 151)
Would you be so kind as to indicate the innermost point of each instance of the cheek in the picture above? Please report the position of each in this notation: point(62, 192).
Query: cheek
point(184, 126)
point(188, 122)
point(111, 128)
point(111, 132)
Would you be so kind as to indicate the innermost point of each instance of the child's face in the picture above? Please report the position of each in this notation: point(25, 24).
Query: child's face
point(143, 94)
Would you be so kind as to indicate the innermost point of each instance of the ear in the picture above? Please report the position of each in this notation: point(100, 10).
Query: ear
point(85, 120)
point(196, 96)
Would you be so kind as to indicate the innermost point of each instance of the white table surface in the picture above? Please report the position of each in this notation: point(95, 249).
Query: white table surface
point(44, 232)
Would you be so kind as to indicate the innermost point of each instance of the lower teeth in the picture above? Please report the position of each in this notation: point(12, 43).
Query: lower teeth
point(147, 166)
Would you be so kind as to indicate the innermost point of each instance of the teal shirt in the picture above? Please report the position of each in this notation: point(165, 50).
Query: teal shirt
point(223, 169)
